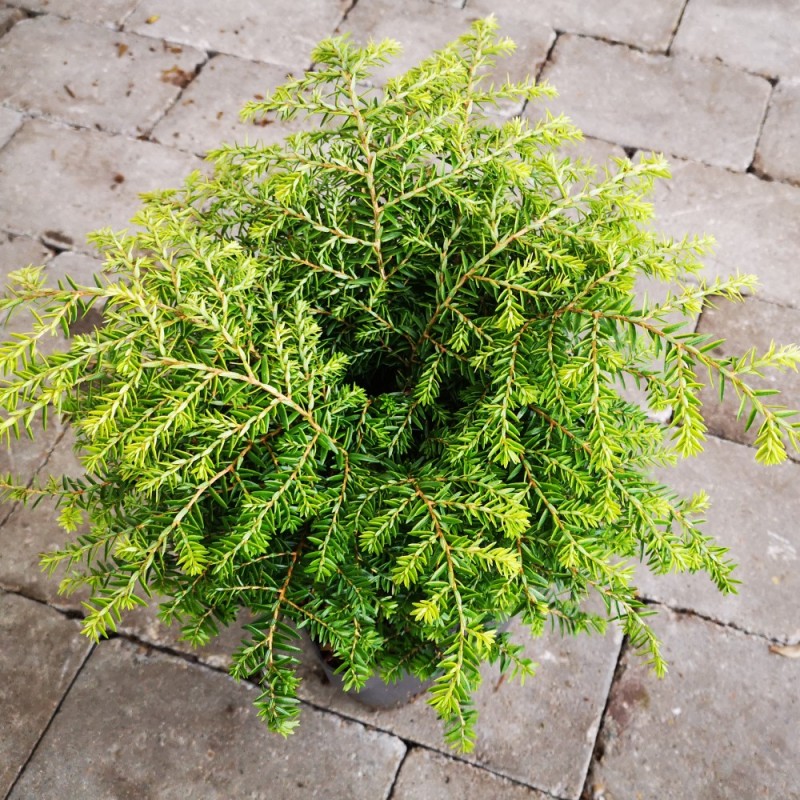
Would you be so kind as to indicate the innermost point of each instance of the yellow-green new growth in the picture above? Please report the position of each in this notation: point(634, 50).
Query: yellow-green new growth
point(366, 383)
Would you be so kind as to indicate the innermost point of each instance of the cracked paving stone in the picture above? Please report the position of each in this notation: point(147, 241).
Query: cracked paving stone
point(684, 107)
point(40, 652)
point(756, 224)
point(754, 512)
point(140, 724)
point(721, 725)
point(644, 23)
point(104, 12)
point(10, 121)
point(207, 113)
point(430, 776)
point(279, 32)
point(101, 175)
point(92, 77)
point(778, 154)
point(540, 734)
point(9, 17)
point(760, 37)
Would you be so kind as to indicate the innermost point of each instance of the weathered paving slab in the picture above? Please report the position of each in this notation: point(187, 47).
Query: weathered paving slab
point(419, 25)
point(40, 652)
point(159, 727)
point(684, 107)
point(778, 155)
point(757, 324)
point(540, 734)
point(107, 12)
point(422, 27)
point(760, 37)
point(754, 512)
point(430, 776)
point(722, 725)
point(101, 175)
point(279, 32)
point(10, 120)
point(533, 41)
point(8, 18)
point(28, 532)
point(207, 113)
point(92, 76)
point(648, 24)
point(144, 624)
point(756, 224)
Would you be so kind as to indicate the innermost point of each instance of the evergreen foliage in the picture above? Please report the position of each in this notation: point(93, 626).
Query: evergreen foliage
point(367, 383)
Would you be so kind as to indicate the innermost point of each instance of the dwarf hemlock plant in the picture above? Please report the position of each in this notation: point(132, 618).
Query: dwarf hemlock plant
point(366, 383)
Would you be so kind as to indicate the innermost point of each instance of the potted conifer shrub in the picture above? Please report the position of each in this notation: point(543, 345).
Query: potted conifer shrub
point(365, 383)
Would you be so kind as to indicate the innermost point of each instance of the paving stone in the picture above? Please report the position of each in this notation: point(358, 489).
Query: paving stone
point(20, 251)
point(107, 12)
point(143, 624)
point(754, 512)
point(778, 155)
point(757, 324)
point(92, 76)
point(540, 734)
point(40, 652)
point(423, 27)
point(645, 23)
point(159, 727)
point(708, 112)
point(756, 224)
point(419, 25)
point(8, 18)
point(760, 37)
point(30, 531)
point(207, 113)
point(430, 776)
point(101, 175)
point(277, 31)
point(532, 38)
point(721, 725)
point(10, 120)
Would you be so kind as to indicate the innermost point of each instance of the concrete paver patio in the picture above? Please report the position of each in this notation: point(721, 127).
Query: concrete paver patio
point(102, 100)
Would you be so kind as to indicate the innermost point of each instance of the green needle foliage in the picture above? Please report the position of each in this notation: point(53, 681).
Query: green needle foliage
point(366, 383)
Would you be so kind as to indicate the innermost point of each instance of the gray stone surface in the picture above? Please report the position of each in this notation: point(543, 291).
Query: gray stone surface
point(722, 725)
point(645, 23)
point(143, 624)
point(532, 38)
point(756, 224)
point(106, 12)
point(778, 154)
point(8, 18)
point(760, 37)
point(419, 25)
point(10, 120)
point(28, 532)
point(540, 734)
point(40, 652)
point(101, 175)
point(158, 727)
point(754, 512)
point(757, 324)
point(684, 107)
point(207, 113)
point(279, 31)
point(430, 776)
point(91, 76)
